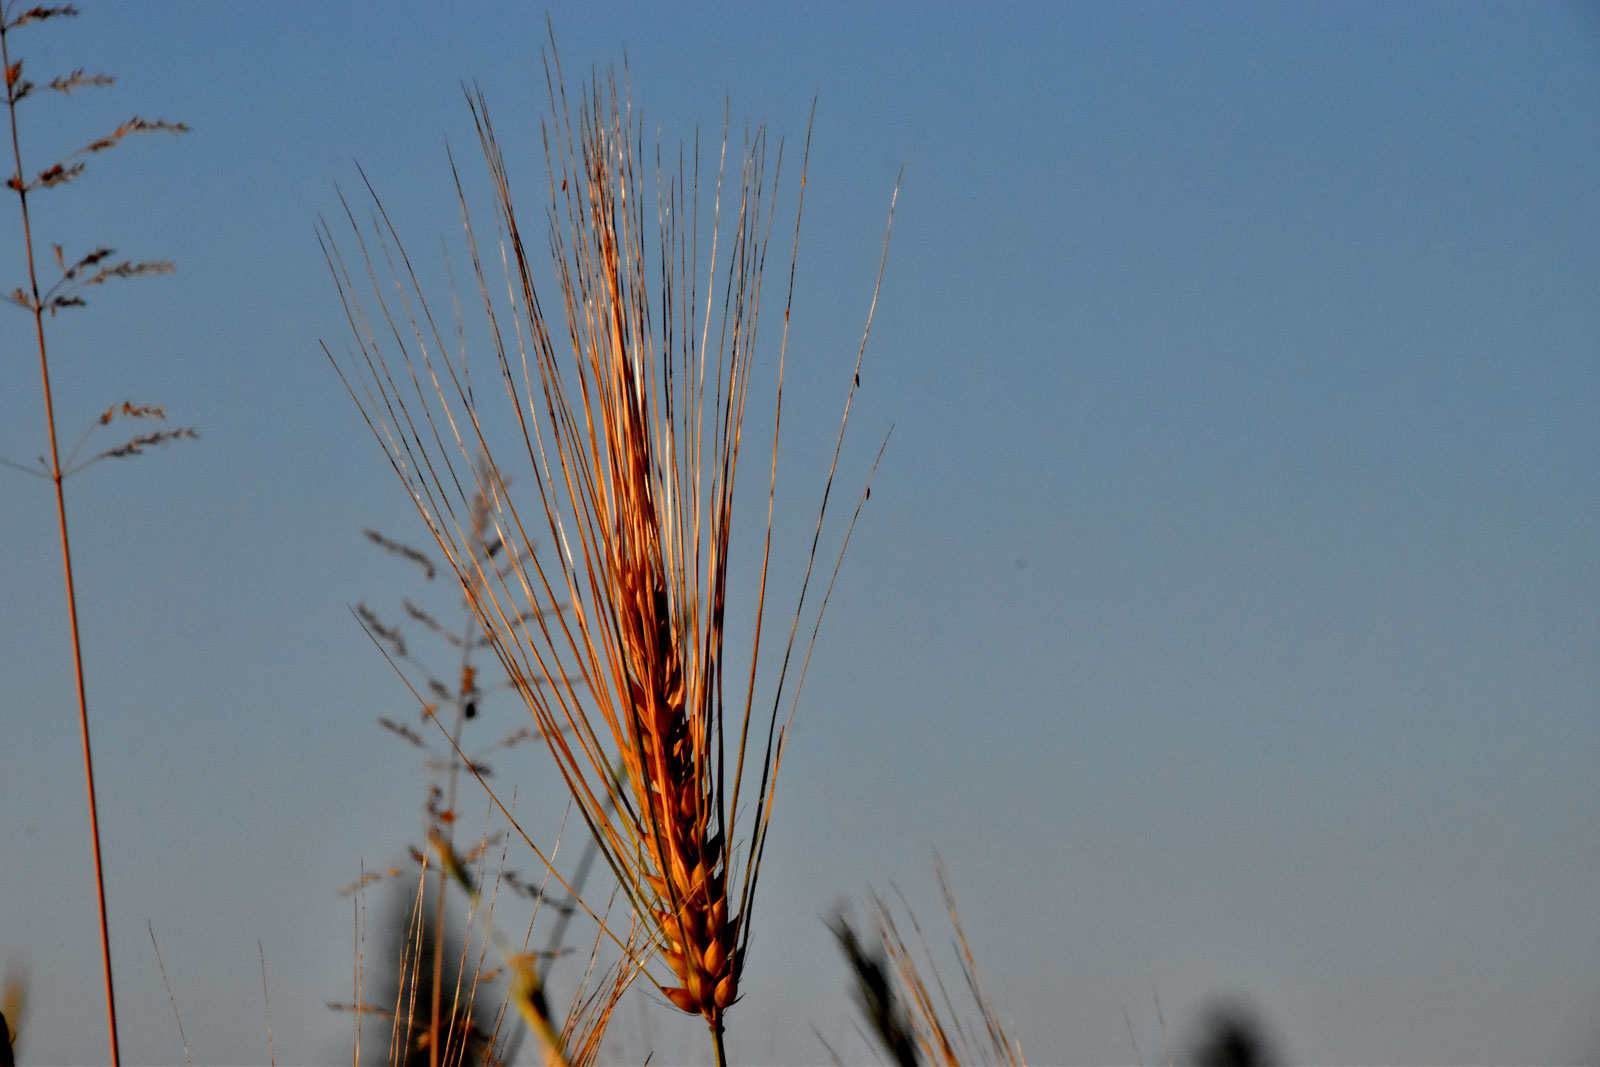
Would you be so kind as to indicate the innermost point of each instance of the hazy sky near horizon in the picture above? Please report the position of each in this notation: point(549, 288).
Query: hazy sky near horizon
point(1226, 612)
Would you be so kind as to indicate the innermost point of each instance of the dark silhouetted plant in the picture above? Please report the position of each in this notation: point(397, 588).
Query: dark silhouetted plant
point(1232, 1035)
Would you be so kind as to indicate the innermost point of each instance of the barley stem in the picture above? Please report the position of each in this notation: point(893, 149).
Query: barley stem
point(716, 1041)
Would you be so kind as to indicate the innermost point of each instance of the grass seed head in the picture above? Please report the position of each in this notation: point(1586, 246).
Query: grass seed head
point(628, 423)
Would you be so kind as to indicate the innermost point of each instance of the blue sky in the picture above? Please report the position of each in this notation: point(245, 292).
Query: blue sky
point(1226, 612)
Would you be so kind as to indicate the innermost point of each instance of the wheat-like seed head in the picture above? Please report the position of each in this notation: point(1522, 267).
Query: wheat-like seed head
point(629, 429)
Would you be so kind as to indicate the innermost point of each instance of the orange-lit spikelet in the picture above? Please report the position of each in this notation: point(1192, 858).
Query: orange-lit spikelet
point(628, 433)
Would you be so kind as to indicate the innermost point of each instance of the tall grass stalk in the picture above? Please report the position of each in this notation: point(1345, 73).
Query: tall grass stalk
point(92, 269)
point(627, 423)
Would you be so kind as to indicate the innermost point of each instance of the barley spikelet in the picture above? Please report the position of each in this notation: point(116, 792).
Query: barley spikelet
point(629, 425)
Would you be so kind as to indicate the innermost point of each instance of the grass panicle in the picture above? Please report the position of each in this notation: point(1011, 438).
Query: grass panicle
point(626, 421)
point(94, 268)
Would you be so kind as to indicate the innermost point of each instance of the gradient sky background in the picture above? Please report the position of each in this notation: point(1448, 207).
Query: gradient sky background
point(1226, 612)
